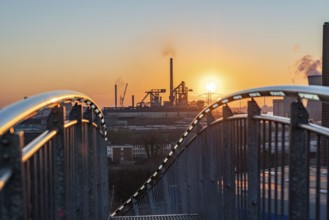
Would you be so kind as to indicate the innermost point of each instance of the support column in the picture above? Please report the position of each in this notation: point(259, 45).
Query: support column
point(325, 82)
point(253, 161)
point(229, 166)
point(55, 121)
point(76, 114)
point(10, 161)
point(92, 169)
point(298, 173)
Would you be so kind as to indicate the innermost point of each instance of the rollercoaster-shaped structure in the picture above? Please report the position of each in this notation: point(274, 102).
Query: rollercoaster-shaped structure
point(250, 166)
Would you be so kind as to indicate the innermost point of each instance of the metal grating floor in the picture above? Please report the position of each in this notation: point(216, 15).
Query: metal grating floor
point(160, 217)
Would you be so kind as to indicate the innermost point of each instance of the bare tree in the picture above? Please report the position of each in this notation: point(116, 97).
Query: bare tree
point(153, 145)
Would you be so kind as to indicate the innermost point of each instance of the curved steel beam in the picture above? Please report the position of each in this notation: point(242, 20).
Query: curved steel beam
point(17, 112)
point(316, 93)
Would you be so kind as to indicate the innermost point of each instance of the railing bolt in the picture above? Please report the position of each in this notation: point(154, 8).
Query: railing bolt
point(5, 141)
point(77, 209)
point(254, 202)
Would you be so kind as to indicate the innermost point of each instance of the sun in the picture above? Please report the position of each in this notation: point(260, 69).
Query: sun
point(211, 87)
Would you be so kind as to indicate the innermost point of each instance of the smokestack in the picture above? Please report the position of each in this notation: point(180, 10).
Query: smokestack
point(133, 101)
point(314, 80)
point(325, 82)
point(116, 95)
point(325, 71)
point(171, 96)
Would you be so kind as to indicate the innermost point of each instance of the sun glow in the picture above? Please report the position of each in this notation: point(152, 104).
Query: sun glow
point(211, 87)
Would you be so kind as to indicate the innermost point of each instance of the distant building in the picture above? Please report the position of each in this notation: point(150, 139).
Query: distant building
point(120, 153)
point(281, 107)
point(278, 107)
point(314, 107)
point(138, 127)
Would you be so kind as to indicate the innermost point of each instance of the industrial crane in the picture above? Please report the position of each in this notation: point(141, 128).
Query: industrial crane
point(155, 99)
point(122, 98)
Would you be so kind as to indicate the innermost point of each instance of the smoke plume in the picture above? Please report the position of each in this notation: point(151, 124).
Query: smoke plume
point(168, 51)
point(296, 48)
point(119, 82)
point(308, 66)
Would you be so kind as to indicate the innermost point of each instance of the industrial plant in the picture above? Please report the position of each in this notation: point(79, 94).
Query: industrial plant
point(178, 98)
point(152, 116)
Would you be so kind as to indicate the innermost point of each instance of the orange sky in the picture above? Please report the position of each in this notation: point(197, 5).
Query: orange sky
point(89, 47)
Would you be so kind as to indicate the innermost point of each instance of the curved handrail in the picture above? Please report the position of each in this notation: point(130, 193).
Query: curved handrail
point(5, 174)
point(316, 93)
point(30, 149)
point(17, 112)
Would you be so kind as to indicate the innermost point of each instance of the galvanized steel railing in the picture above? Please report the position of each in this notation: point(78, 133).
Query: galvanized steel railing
point(60, 174)
point(250, 166)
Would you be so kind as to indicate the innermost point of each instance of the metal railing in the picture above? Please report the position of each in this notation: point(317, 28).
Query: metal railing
point(62, 172)
point(250, 166)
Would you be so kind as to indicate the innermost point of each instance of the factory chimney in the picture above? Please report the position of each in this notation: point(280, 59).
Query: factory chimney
point(325, 71)
point(325, 82)
point(171, 95)
point(133, 101)
point(116, 95)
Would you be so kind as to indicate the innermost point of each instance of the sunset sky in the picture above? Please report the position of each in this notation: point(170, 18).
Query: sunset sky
point(88, 46)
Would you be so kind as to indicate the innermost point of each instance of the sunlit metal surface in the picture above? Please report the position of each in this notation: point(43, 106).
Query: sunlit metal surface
point(70, 123)
point(15, 113)
point(30, 149)
point(5, 174)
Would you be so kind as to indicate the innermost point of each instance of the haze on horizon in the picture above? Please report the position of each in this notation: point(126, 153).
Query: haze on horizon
point(89, 46)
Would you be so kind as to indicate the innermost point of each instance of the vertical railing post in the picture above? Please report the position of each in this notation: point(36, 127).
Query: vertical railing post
point(92, 169)
point(229, 167)
point(166, 195)
point(76, 114)
point(104, 173)
point(298, 178)
point(198, 160)
point(55, 121)
point(180, 175)
point(253, 161)
point(105, 181)
point(151, 199)
point(220, 166)
point(135, 207)
point(10, 159)
point(98, 173)
point(210, 170)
